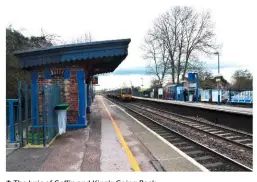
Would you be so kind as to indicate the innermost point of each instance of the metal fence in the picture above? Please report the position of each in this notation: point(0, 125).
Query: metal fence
point(240, 96)
point(12, 121)
point(136, 93)
point(227, 96)
point(49, 121)
point(210, 95)
point(19, 125)
point(18, 115)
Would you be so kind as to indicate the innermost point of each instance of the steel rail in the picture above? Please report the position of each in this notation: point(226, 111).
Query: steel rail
point(246, 168)
point(199, 129)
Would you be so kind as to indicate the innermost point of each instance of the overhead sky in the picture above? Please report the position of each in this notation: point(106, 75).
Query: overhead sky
point(116, 19)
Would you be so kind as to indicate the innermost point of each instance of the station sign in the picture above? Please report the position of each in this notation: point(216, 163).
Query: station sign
point(192, 76)
point(160, 91)
point(218, 78)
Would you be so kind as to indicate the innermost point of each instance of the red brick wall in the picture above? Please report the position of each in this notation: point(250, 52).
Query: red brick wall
point(69, 92)
point(41, 81)
point(71, 95)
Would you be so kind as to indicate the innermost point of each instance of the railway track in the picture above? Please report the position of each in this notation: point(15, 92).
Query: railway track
point(239, 138)
point(208, 157)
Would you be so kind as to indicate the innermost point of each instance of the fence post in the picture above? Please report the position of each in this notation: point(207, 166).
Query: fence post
point(49, 103)
point(12, 125)
point(11, 119)
point(43, 115)
point(34, 98)
point(7, 121)
point(20, 113)
point(176, 94)
point(211, 95)
point(26, 109)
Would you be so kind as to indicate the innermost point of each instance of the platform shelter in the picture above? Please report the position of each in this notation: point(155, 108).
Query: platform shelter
point(70, 68)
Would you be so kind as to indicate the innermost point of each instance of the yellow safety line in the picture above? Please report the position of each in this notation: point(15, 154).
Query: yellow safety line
point(124, 144)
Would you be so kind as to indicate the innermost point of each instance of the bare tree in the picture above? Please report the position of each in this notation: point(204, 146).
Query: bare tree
point(87, 37)
point(156, 53)
point(186, 34)
point(50, 37)
point(242, 79)
point(16, 41)
point(199, 35)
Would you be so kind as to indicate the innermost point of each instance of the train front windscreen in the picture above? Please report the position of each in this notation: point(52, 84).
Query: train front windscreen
point(126, 91)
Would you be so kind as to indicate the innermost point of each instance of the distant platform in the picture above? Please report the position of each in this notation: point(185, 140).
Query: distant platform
point(222, 108)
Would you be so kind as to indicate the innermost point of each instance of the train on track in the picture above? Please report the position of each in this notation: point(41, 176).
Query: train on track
point(124, 94)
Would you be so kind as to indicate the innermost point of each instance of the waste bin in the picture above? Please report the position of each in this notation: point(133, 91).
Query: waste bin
point(61, 110)
point(191, 97)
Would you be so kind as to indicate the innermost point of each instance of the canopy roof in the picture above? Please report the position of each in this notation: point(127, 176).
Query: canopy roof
point(99, 56)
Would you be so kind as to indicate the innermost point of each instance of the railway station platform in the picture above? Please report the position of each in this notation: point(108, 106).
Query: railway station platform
point(234, 117)
point(229, 109)
point(112, 141)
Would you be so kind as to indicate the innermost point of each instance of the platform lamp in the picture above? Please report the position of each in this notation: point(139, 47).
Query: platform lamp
point(218, 77)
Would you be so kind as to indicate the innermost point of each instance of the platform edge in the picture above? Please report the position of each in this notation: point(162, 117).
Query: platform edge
point(202, 168)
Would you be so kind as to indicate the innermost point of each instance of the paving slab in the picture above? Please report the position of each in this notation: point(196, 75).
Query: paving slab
point(178, 165)
point(10, 150)
point(25, 159)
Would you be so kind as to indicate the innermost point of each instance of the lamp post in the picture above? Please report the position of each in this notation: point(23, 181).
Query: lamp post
point(142, 87)
point(218, 82)
point(217, 53)
point(131, 88)
point(197, 86)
